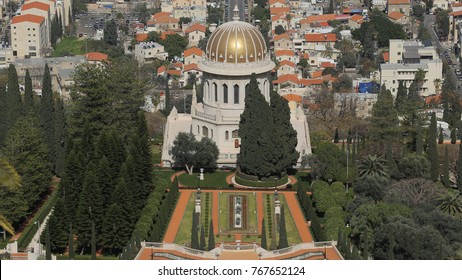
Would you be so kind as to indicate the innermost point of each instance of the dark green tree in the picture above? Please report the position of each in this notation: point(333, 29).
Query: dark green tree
point(330, 10)
point(93, 241)
point(283, 243)
point(401, 97)
point(384, 118)
point(28, 93)
point(445, 180)
point(60, 137)
point(279, 29)
point(453, 136)
point(47, 113)
point(3, 115)
point(211, 243)
point(419, 138)
point(71, 243)
point(432, 148)
point(110, 33)
point(14, 106)
point(284, 136)
point(168, 99)
point(47, 243)
point(90, 208)
point(194, 230)
point(202, 239)
point(255, 130)
point(336, 137)
point(264, 244)
point(440, 136)
point(175, 45)
point(58, 226)
point(459, 170)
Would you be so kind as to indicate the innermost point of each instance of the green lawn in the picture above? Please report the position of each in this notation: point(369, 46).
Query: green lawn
point(215, 180)
point(162, 177)
point(69, 46)
point(156, 154)
point(183, 236)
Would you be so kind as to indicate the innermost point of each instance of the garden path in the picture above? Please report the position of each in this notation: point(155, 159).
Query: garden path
point(260, 211)
point(298, 217)
point(215, 212)
point(177, 216)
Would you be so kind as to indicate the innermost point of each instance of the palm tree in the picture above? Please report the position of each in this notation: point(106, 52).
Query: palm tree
point(10, 179)
point(374, 166)
point(437, 83)
point(451, 203)
point(345, 46)
point(328, 52)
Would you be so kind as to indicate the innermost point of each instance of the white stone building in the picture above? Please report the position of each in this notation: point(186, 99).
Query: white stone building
point(147, 51)
point(234, 51)
point(406, 58)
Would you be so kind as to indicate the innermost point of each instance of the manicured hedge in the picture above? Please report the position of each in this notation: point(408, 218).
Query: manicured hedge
point(262, 184)
point(31, 228)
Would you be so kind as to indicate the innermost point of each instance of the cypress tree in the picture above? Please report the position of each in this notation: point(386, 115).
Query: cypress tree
point(432, 149)
point(284, 135)
point(116, 230)
point(71, 243)
point(47, 243)
point(28, 93)
point(264, 244)
point(202, 239)
point(58, 226)
point(446, 167)
point(194, 235)
point(331, 7)
point(211, 243)
point(349, 137)
point(47, 113)
point(3, 115)
point(340, 245)
point(105, 179)
point(283, 243)
point(60, 137)
point(336, 137)
point(453, 136)
point(440, 136)
point(343, 145)
point(459, 170)
point(14, 106)
point(90, 208)
point(256, 130)
point(168, 101)
point(401, 97)
point(384, 118)
point(93, 241)
point(459, 132)
point(419, 138)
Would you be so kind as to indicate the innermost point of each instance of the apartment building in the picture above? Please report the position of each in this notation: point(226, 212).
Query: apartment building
point(39, 9)
point(28, 35)
point(148, 51)
point(405, 59)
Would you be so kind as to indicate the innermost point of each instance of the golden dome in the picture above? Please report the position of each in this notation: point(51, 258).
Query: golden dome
point(236, 42)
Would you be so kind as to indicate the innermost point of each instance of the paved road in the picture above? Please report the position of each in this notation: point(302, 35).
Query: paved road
point(429, 22)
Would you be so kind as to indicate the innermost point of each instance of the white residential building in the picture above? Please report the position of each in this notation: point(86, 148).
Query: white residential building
point(147, 51)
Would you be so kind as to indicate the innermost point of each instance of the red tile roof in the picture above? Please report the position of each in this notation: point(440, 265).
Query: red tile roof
point(278, 17)
point(279, 10)
point(271, 2)
point(318, 18)
point(35, 5)
point(174, 72)
point(386, 56)
point(293, 97)
point(196, 27)
point(27, 18)
point(433, 99)
point(164, 34)
point(311, 82)
point(284, 53)
point(287, 78)
point(287, 62)
point(395, 15)
point(357, 18)
point(456, 14)
point(141, 37)
point(316, 37)
point(160, 14)
point(95, 56)
point(456, 5)
point(192, 51)
point(161, 70)
point(191, 66)
point(316, 74)
point(326, 64)
point(281, 37)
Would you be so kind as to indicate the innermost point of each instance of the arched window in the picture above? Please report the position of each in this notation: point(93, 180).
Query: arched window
point(225, 94)
point(211, 133)
point(236, 94)
point(226, 135)
point(207, 88)
point(198, 130)
point(205, 131)
point(215, 90)
point(235, 133)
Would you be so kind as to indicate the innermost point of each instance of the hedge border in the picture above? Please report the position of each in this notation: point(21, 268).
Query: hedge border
point(268, 184)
